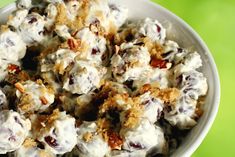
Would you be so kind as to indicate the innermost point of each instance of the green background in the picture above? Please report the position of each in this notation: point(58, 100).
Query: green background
point(214, 20)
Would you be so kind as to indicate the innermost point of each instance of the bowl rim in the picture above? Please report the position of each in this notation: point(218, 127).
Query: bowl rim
point(189, 149)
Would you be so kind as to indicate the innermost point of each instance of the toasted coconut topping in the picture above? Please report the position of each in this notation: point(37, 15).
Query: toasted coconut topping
point(87, 137)
point(168, 95)
point(132, 117)
point(29, 143)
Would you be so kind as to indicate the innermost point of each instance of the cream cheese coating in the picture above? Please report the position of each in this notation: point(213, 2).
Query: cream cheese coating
point(58, 61)
point(32, 29)
point(93, 64)
point(83, 77)
point(96, 146)
point(12, 47)
point(17, 18)
point(30, 149)
point(145, 136)
point(94, 46)
point(152, 107)
point(14, 129)
point(33, 97)
point(24, 4)
point(60, 135)
point(151, 29)
point(131, 63)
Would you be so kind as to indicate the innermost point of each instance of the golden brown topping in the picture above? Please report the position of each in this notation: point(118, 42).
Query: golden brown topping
point(169, 95)
point(154, 48)
point(114, 140)
point(145, 88)
point(96, 28)
point(103, 125)
point(199, 112)
point(79, 22)
point(132, 116)
point(54, 116)
point(112, 103)
point(44, 100)
point(44, 153)
point(61, 17)
point(87, 137)
point(29, 143)
point(44, 122)
point(124, 36)
point(25, 102)
point(4, 28)
point(13, 78)
point(20, 87)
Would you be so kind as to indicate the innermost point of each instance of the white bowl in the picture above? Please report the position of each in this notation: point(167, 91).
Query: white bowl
point(181, 32)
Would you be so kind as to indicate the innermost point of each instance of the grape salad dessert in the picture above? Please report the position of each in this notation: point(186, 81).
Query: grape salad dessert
point(80, 79)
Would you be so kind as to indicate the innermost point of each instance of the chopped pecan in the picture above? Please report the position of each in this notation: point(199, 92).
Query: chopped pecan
point(19, 87)
point(158, 63)
point(44, 100)
point(114, 140)
point(74, 44)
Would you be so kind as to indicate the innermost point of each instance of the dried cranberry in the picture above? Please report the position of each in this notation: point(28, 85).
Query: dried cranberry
point(95, 51)
point(158, 63)
point(71, 79)
point(179, 79)
point(103, 57)
point(136, 145)
point(32, 20)
point(51, 141)
point(158, 29)
point(13, 69)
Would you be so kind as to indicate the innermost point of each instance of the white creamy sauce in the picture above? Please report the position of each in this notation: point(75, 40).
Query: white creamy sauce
point(14, 129)
point(34, 94)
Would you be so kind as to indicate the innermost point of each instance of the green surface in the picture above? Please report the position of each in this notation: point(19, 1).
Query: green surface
point(214, 20)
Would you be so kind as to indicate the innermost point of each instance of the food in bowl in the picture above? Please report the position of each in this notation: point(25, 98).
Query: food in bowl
point(80, 79)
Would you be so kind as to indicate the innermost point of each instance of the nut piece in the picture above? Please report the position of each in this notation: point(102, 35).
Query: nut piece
point(44, 100)
point(73, 44)
point(114, 140)
point(20, 87)
point(158, 63)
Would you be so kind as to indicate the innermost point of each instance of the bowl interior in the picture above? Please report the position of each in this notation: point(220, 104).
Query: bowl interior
point(186, 37)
